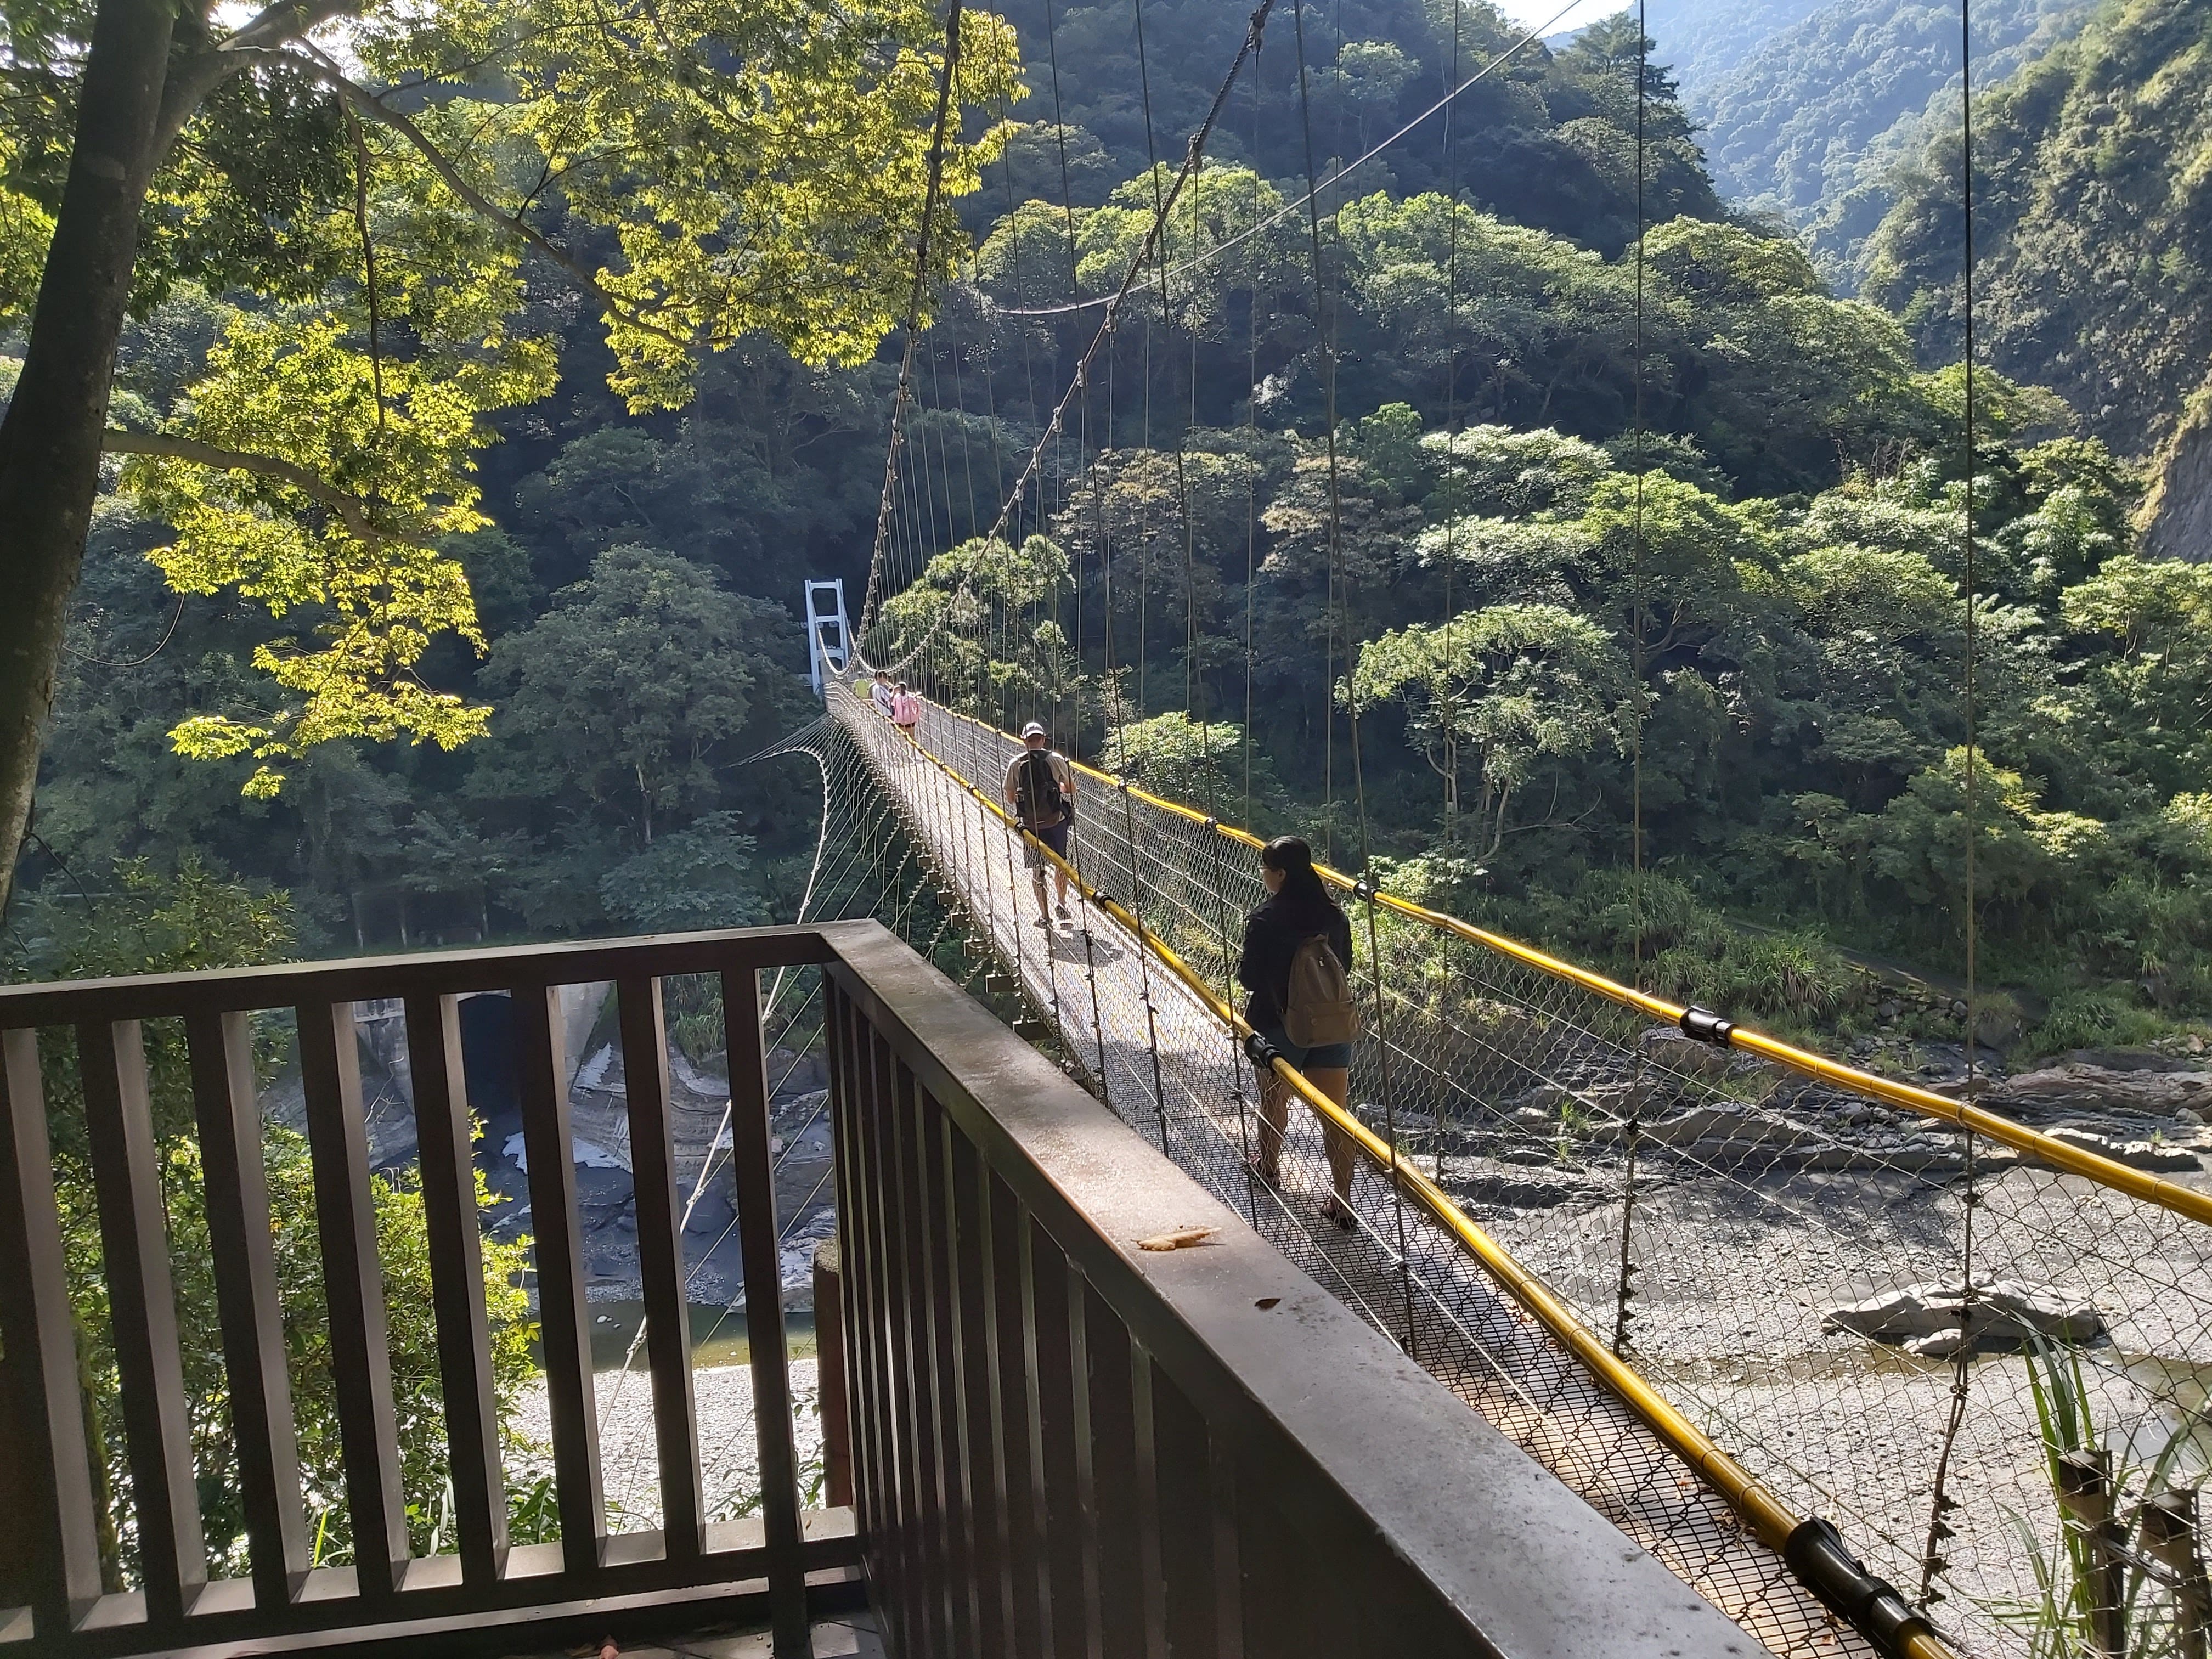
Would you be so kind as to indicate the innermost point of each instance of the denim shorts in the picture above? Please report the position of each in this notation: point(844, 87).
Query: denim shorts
point(1326, 1057)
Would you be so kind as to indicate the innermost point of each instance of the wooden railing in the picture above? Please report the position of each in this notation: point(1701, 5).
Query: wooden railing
point(485, 1593)
point(1063, 1439)
point(1092, 1412)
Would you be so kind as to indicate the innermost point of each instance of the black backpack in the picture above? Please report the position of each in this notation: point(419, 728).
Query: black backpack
point(1044, 802)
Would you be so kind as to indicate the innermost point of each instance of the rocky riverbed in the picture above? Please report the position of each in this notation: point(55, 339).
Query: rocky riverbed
point(607, 1206)
point(729, 1449)
point(1797, 1260)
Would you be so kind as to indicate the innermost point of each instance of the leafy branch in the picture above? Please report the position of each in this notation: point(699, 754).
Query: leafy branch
point(352, 512)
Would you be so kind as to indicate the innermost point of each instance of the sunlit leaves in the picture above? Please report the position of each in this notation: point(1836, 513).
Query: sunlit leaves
point(756, 166)
point(26, 226)
point(1494, 469)
point(1220, 208)
point(1508, 686)
point(1197, 761)
point(367, 583)
point(374, 200)
point(2019, 848)
point(986, 612)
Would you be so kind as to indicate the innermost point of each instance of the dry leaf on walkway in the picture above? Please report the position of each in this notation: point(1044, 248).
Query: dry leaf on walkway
point(1181, 1239)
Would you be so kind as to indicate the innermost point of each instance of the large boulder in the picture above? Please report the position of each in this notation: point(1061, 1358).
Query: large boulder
point(1936, 1320)
point(2156, 1155)
point(2076, 1087)
point(1726, 1127)
point(1669, 1047)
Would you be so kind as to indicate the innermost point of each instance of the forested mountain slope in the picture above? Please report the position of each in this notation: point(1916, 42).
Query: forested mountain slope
point(1703, 40)
point(684, 534)
point(1547, 141)
point(1772, 619)
point(2094, 224)
point(1808, 124)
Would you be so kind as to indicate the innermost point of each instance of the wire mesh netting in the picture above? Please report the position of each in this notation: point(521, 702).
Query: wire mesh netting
point(1977, 1366)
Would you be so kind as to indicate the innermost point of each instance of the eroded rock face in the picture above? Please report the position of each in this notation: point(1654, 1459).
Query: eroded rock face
point(2163, 1156)
point(2149, 1115)
point(1936, 1320)
point(2180, 512)
point(2076, 1087)
point(1678, 1053)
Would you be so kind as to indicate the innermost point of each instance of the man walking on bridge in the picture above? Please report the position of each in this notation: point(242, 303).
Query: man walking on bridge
point(1041, 789)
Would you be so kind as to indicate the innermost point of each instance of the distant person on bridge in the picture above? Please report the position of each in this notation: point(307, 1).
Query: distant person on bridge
point(1041, 789)
point(1298, 951)
point(906, 709)
point(880, 693)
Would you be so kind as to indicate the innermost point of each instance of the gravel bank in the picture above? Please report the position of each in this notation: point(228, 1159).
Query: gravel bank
point(729, 1454)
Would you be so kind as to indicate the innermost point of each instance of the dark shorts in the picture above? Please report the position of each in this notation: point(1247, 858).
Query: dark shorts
point(1328, 1057)
point(1055, 836)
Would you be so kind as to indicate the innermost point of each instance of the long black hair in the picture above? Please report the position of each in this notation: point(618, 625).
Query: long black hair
point(1292, 856)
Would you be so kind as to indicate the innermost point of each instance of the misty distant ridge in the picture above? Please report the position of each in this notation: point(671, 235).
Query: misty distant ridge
point(1807, 105)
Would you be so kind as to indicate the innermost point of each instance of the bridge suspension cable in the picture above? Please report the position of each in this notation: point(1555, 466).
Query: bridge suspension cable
point(1513, 1078)
point(1080, 380)
point(1215, 250)
point(1639, 1238)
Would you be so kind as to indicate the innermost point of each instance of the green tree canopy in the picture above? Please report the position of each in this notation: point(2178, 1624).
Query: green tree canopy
point(634, 689)
point(1512, 685)
point(985, 614)
point(380, 188)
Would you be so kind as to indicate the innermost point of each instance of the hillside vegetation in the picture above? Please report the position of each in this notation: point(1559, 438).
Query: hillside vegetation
point(1809, 124)
point(1549, 141)
point(1789, 661)
point(1702, 40)
point(2094, 224)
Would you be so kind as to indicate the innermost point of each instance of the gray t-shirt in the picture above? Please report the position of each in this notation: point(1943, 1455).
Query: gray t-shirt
point(1060, 770)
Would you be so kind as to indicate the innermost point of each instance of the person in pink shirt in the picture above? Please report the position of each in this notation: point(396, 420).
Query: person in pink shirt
point(906, 709)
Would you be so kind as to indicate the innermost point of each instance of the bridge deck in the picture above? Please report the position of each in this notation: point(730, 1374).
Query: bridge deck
point(1166, 1064)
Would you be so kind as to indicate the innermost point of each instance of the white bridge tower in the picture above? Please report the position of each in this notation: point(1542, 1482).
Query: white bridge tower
point(825, 616)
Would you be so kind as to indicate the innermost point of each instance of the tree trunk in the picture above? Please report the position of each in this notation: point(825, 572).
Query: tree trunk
point(50, 443)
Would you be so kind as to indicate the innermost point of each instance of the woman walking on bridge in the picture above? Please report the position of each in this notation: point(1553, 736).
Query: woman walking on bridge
point(1298, 951)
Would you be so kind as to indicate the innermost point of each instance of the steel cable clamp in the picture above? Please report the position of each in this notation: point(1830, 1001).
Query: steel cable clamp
point(1704, 1025)
point(1816, 1552)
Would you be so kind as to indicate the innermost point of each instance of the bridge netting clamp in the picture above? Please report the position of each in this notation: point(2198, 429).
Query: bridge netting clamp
point(1791, 1281)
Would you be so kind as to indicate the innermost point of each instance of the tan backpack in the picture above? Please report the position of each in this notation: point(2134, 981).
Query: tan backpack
point(1319, 1010)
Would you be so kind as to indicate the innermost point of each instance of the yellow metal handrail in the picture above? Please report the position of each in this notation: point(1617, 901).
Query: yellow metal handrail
point(2170, 1195)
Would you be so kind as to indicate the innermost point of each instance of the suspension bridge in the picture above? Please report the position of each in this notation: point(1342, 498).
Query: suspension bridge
point(1873, 1368)
point(1657, 1249)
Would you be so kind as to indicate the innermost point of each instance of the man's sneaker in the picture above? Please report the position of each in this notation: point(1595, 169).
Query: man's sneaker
point(1062, 911)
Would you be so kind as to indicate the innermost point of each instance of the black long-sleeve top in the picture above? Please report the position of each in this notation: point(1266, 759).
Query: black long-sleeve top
point(1272, 934)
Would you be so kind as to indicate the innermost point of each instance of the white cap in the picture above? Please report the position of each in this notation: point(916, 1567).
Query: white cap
point(1032, 730)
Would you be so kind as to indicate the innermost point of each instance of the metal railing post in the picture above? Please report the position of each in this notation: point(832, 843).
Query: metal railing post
point(830, 1375)
point(752, 1158)
point(2169, 1536)
point(2085, 1492)
point(70, 1535)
